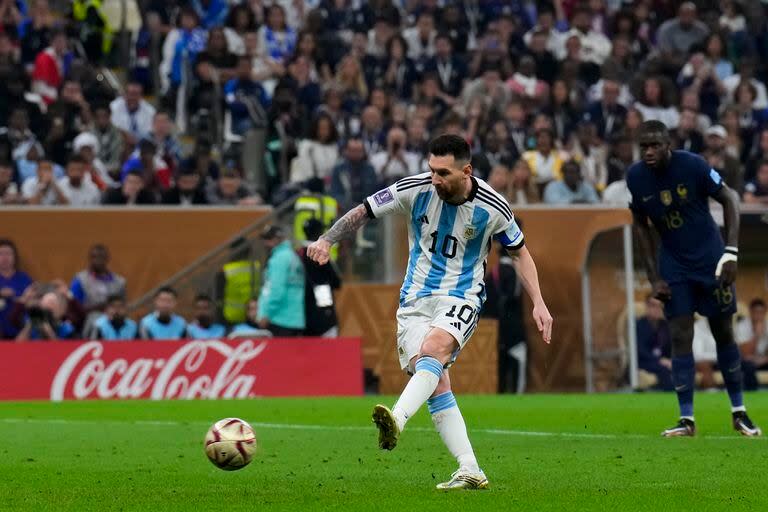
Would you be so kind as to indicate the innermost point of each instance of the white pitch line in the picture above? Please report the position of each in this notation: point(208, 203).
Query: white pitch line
point(360, 428)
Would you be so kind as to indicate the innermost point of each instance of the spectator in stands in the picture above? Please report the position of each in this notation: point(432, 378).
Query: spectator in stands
point(9, 190)
point(588, 149)
point(420, 39)
point(230, 189)
point(372, 130)
point(318, 153)
point(28, 157)
point(525, 84)
point(15, 89)
point(17, 131)
point(399, 71)
point(187, 189)
point(746, 74)
point(521, 187)
point(168, 147)
point(13, 283)
point(752, 337)
point(86, 147)
point(320, 284)
point(729, 167)
point(250, 327)
point(489, 88)
point(180, 49)
point(617, 193)
point(653, 344)
point(299, 79)
point(202, 161)
point(678, 35)
point(276, 39)
point(351, 83)
point(35, 32)
point(132, 114)
point(69, 114)
point(687, 135)
point(131, 192)
point(715, 48)
point(450, 69)
point(246, 99)
point(571, 189)
point(607, 113)
point(240, 21)
point(281, 299)
point(214, 67)
point(756, 191)
point(157, 175)
point(545, 161)
point(45, 320)
point(757, 153)
point(495, 151)
point(699, 76)
point(92, 286)
point(78, 187)
point(354, 178)
point(43, 188)
point(50, 67)
point(114, 324)
point(395, 161)
point(751, 118)
point(654, 104)
point(163, 323)
point(110, 141)
point(203, 327)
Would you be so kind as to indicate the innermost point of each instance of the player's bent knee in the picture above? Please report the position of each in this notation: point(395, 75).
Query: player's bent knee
point(439, 345)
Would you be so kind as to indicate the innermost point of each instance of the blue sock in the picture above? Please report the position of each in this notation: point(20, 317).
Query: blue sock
point(729, 360)
point(684, 378)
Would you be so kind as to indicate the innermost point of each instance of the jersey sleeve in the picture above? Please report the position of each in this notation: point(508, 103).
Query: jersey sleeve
point(510, 235)
point(708, 177)
point(397, 198)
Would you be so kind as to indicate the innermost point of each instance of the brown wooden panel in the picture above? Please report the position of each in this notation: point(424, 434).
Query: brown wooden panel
point(147, 245)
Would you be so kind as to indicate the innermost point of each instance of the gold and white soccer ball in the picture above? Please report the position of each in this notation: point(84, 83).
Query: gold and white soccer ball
point(230, 444)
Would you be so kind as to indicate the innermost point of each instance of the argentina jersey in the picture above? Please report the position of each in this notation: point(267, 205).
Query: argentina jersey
point(448, 243)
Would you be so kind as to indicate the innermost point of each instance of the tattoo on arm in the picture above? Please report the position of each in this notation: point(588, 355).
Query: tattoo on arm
point(353, 220)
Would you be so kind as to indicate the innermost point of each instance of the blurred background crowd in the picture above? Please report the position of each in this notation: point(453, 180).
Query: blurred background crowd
point(224, 102)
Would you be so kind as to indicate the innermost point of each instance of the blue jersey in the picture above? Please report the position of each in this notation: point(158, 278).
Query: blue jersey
point(676, 200)
point(151, 328)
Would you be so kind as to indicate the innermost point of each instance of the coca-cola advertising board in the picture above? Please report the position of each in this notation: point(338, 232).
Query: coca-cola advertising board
point(161, 370)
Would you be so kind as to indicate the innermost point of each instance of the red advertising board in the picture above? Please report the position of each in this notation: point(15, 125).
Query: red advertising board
point(160, 370)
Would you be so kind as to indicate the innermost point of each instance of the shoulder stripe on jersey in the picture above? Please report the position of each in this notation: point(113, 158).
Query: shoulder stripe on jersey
point(493, 195)
point(408, 181)
point(414, 185)
point(494, 205)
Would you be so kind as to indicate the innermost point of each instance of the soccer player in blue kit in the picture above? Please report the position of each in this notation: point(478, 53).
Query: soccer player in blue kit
point(696, 270)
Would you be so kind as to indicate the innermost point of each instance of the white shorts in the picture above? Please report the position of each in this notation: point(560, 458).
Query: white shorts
point(415, 318)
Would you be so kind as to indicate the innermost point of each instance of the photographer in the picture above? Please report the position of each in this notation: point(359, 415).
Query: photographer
point(44, 320)
point(396, 161)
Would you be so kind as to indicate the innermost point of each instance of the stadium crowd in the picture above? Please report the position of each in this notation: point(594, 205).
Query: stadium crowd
point(549, 93)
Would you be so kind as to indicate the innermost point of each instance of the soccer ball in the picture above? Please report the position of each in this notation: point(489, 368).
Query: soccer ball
point(230, 444)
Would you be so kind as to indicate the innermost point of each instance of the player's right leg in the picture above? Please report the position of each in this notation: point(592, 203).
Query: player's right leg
point(449, 423)
point(683, 374)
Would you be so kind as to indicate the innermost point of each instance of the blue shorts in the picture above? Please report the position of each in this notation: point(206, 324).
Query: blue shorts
point(705, 296)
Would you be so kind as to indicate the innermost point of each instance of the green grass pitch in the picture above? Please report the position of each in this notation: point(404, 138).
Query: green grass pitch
point(540, 452)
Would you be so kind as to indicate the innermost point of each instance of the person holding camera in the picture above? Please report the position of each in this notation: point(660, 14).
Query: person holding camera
point(396, 161)
point(45, 320)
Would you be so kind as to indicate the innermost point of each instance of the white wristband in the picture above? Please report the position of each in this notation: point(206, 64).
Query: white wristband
point(726, 257)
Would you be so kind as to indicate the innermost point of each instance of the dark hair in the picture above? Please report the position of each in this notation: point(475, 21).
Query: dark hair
point(203, 297)
point(654, 126)
point(7, 242)
point(453, 145)
point(76, 159)
point(233, 13)
point(166, 289)
point(757, 303)
point(117, 297)
point(444, 35)
point(316, 123)
point(403, 43)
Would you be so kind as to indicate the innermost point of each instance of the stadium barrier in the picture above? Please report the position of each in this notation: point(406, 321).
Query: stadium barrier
point(156, 370)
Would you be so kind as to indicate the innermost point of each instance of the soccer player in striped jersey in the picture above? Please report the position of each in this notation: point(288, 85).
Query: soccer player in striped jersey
point(452, 219)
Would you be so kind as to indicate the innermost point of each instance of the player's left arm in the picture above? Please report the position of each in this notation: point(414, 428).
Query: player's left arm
point(529, 275)
point(727, 266)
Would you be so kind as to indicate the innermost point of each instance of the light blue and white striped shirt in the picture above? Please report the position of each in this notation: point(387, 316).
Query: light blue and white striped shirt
point(448, 243)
